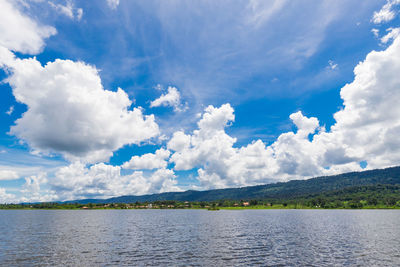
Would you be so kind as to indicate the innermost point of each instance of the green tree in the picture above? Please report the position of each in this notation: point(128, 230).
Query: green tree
point(253, 202)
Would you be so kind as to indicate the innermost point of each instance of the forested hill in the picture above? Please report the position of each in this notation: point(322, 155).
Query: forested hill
point(287, 190)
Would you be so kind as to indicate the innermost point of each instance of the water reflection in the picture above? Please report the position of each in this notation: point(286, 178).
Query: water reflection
point(199, 237)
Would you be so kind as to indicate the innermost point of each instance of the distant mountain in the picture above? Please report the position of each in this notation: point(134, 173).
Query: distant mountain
point(288, 190)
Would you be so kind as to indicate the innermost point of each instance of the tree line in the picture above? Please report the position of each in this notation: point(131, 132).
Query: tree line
point(356, 197)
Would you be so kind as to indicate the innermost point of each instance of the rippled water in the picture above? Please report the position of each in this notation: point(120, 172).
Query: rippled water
point(199, 237)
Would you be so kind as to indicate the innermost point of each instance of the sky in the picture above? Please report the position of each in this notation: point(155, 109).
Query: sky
point(116, 97)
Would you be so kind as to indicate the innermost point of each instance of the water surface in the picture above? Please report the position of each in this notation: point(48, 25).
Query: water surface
point(199, 237)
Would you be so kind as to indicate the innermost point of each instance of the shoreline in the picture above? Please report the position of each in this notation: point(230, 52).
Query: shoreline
point(219, 208)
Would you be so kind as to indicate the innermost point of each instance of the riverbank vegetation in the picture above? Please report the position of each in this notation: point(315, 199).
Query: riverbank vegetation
point(356, 197)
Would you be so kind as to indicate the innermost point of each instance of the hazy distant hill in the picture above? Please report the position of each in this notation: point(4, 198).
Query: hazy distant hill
point(287, 190)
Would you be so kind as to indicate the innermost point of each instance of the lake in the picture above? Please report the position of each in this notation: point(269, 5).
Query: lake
point(199, 237)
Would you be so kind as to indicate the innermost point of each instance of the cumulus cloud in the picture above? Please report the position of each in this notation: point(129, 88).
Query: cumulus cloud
point(179, 141)
point(32, 191)
point(209, 146)
point(369, 119)
point(113, 4)
point(170, 99)
point(20, 33)
point(8, 175)
point(148, 161)
point(68, 10)
point(221, 164)
point(69, 112)
point(366, 129)
point(101, 180)
point(304, 125)
point(386, 13)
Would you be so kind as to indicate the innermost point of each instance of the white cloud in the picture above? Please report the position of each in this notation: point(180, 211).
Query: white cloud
point(222, 165)
point(32, 191)
point(305, 126)
point(369, 121)
point(8, 175)
point(6, 57)
point(79, 13)
point(6, 197)
point(386, 13)
point(332, 65)
point(179, 141)
point(148, 161)
point(162, 180)
point(70, 113)
point(208, 146)
point(392, 34)
point(375, 32)
point(113, 4)
point(10, 110)
point(101, 180)
point(366, 129)
point(20, 33)
point(68, 10)
point(171, 99)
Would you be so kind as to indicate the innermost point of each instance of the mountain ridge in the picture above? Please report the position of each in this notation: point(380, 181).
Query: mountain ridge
point(281, 190)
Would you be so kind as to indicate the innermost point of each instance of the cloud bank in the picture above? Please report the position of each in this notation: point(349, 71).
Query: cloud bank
point(366, 129)
point(101, 180)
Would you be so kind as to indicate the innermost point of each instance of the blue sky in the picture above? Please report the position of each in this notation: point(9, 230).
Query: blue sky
point(212, 94)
